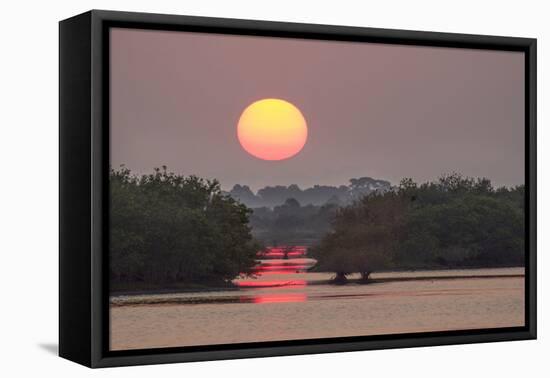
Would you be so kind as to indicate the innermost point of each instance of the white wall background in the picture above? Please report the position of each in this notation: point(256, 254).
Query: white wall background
point(29, 174)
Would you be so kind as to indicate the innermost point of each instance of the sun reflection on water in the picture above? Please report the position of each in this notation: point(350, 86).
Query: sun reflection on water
point(276, 270)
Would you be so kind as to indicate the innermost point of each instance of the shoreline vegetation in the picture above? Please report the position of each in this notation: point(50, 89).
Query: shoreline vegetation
point(168, 229)
point(172, 232)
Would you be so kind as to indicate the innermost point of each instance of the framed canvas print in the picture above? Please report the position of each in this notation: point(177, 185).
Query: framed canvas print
point(233, 188)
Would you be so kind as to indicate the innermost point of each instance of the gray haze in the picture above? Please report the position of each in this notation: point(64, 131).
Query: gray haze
point(384, 111)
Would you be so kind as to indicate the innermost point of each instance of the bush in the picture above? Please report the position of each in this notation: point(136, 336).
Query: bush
point(455, 222)
point(167, 228)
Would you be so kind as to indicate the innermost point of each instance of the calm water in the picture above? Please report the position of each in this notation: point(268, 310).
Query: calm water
point(283, 305)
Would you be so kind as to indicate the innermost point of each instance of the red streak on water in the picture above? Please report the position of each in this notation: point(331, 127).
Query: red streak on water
point(281, 267)
point(274, 272)
point(278, 265)
point(271, 283)
point(279, 252)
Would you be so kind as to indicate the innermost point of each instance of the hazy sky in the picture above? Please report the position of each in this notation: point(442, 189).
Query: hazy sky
point(384, 111)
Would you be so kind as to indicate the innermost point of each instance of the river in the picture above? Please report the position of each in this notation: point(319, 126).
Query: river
point(285, 305)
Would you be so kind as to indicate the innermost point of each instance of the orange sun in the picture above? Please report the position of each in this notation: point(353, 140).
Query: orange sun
point(272, 129)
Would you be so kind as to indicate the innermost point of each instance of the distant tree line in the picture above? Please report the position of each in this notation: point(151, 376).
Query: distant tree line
point(167, 228)
point(317, 195)
point(455, 222)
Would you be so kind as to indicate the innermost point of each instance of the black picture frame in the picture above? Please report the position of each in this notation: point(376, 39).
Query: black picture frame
point(83, 180)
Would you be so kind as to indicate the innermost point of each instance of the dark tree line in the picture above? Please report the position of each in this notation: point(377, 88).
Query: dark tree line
point(172, 229)
point(456, 222)
point(291, 223)
point(167, 228)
